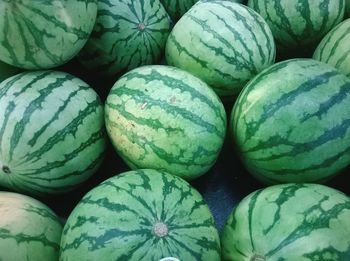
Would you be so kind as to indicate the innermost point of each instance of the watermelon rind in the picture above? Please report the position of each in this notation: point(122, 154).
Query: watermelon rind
point(52, 133)
point(29, 230)
point(141, 215)
point(303, 222)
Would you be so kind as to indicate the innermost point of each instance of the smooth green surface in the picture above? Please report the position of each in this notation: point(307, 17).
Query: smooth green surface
point(223, 43)
point(29, 230)
point(334, 48)
point(116, 221)
point(127, 34)
point(347, 8)
point(44, 34)
point(52, 134)
point(294, 222)
point(164, 118)
point(298, 24)
point(6, 71)
point(291, 123)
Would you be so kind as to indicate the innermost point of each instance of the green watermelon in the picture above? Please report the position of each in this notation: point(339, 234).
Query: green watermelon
point(334, 48)
point(291, 123)
point(177, 8)
point(223, 43)
point(44, 34)
point(29, 230)
point(141, 215)
point(299, 25)
point(127, 34)
point(161, 117)
point(52, 134)
point(347, 8)
point(6, 71)
point(301, 222)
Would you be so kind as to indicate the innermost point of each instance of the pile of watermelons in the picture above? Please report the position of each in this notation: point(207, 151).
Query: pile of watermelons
point(174, 130)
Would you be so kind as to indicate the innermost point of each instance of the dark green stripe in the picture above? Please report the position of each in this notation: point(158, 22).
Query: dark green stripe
point(55, 117)
point(289, 97)
point(70, 129)
point(23, 238)
point(33, 106)
point(307, 226)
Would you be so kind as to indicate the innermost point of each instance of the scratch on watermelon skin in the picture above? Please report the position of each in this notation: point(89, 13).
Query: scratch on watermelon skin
point(29, 230)
point(127, 34)
point(223, 43)
point(334, 48)
point(280, 228)
point(44, 34)
point(52, 135)
point(299, 24)
point(290, 124)
point(116, 220)
point(164, 118)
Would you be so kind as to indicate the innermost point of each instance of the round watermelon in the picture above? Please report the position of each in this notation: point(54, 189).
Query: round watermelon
point(52, 135)
point(303, 222)
point(127, 34)
point(334, 48)
point(299, 25)
point(223, 43)
point(291, 123)
point(44, 34)
point(141, 215)
point(6, 71)
point(29, 230)
point(161, 117)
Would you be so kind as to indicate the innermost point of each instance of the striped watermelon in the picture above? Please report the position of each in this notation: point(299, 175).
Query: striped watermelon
point(127, 34)
point(177, 8)
point(223, 43)
point(29, 230)
point(6, 71)
point(296, 24)
point(291, 123)
point(141, 215)
point(52, 134)
point(161, 117)
point(334, 48)
point(302, 222)
point(44, 34)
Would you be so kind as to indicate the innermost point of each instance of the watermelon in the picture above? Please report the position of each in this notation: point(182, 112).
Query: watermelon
point(6, 71)
point(52, 135)
point(347, 8)
point(177, 8)
point(304, 222)
point(141, 215)
point(161, 117)
point(44, 34)
point(299, 25)
point(334, 48)
point(29, 230)
point(127, 34)
point(291, 122)
point(223, 43)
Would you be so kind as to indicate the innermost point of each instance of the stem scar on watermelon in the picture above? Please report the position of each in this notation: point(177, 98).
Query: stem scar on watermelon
point(160, 229)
